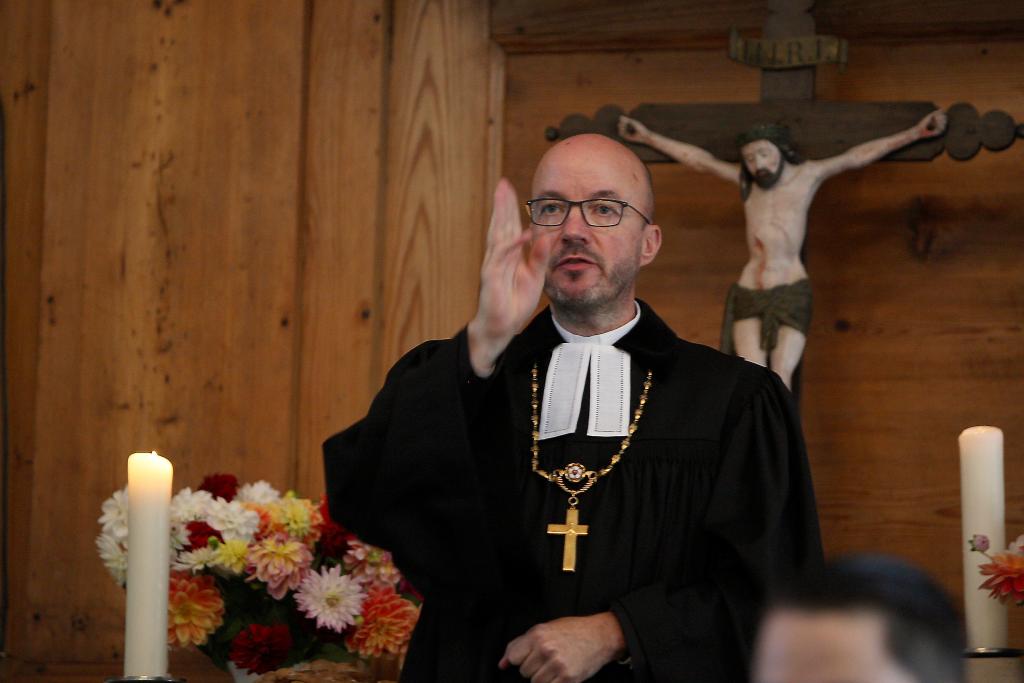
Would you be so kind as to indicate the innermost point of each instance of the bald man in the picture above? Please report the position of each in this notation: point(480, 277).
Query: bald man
point(583, 496)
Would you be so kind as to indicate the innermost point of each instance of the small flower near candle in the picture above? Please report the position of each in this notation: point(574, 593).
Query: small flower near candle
point(979, 543)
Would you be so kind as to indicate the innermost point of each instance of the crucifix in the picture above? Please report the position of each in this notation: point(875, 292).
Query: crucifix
point(768, 310)
point(570, 530)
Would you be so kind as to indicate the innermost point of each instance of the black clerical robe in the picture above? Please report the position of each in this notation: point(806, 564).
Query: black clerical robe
point(710, 505)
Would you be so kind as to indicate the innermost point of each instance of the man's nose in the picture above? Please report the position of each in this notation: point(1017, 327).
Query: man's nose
point(575, 226)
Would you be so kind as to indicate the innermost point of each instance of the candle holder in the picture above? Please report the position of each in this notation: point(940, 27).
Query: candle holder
point(992, 652)
point(993, 665)
point(143, 679)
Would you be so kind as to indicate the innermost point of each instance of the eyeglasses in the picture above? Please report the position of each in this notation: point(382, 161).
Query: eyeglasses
point(598, 213)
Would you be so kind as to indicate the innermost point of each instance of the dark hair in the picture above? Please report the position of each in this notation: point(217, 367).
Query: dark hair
point(782, 143)
point(923, 629)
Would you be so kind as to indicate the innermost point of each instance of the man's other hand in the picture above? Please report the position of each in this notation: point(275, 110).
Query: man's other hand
point(567, 650)
point(511, 281)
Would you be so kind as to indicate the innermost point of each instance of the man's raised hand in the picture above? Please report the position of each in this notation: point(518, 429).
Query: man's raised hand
point(511, 281)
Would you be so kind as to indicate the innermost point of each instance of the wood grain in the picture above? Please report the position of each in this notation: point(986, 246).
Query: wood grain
point(918, 330)
point(24, 75)
point(189, 665)
point(168, 277)
point(532, 26)
point(437, 166)
point(344, 185)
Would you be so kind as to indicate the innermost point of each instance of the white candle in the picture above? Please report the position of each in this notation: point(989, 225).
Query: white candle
point(149, 501)
point(982, 505)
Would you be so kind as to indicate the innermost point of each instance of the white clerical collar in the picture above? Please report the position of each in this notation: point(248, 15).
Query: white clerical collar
point(607, 338)
point(609, 383)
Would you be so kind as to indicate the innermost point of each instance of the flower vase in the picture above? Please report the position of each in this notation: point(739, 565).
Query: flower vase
point(241, 675)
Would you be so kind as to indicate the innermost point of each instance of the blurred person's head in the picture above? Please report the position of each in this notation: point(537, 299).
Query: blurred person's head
point(864, 619)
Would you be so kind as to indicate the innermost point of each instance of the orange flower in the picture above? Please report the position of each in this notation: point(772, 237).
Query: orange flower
point(1006, 577)
point(195, 609)
point(388, 620)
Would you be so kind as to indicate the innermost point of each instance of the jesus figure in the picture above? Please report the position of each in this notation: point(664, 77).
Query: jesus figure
point(768, 311)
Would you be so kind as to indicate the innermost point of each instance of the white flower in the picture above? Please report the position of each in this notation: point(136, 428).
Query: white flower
point(1017, 546)
point(114, 555)
point(179, 536)
point(188, 505)
point(115, 515)
point(330, 598)
point(195, 560)
point(259, 492)
point(233, 520)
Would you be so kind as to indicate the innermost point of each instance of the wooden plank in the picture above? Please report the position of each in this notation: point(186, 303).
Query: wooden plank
point(495, 117)
point(343, 192)
point(916, 268)
point(531, 26)
point(436, 169)
point(189, 665)
point(24, 67)
point(170, 248)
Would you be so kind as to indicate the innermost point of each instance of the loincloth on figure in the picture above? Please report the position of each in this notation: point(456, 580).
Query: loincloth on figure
point(782, 305)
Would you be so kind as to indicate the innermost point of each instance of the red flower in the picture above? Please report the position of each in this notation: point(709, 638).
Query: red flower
point(334, 537)
point(199, 534)
point(1006, 577)
point(259, 649)
point(406, 588)
point(221, 486)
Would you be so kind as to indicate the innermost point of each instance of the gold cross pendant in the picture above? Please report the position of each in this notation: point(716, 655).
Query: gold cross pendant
point(571, 529)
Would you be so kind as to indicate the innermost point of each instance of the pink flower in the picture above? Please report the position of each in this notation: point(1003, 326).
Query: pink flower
point(370, 565)
point(280, 562)
point(979, 543)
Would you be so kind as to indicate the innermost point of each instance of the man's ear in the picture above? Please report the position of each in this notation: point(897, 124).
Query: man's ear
point(650, 243)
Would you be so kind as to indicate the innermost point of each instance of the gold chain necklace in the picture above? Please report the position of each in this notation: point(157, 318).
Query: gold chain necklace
point(575, 473)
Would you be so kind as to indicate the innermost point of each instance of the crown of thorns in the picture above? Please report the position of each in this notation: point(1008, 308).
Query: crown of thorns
point(775, 134)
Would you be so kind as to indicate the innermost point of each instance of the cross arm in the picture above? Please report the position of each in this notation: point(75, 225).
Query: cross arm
point(691, 156)
point(819, 129)
point(859, 156)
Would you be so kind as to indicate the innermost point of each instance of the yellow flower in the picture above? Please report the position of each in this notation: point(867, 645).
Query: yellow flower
point(195, 609)
point(297, 517)
point(231, 555)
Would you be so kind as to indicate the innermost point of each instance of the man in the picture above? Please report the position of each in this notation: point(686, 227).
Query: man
point(768, 311)
point(864, 620)
point(591, 498)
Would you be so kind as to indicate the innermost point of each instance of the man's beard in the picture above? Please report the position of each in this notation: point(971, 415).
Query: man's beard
point(766, 180)
point(594, 299)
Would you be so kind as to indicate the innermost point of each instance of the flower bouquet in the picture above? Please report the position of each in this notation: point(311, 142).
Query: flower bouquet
point(263, 580)
point(1005, 570)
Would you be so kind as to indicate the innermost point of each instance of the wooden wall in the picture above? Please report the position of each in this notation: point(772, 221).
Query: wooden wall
point(226, 219)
